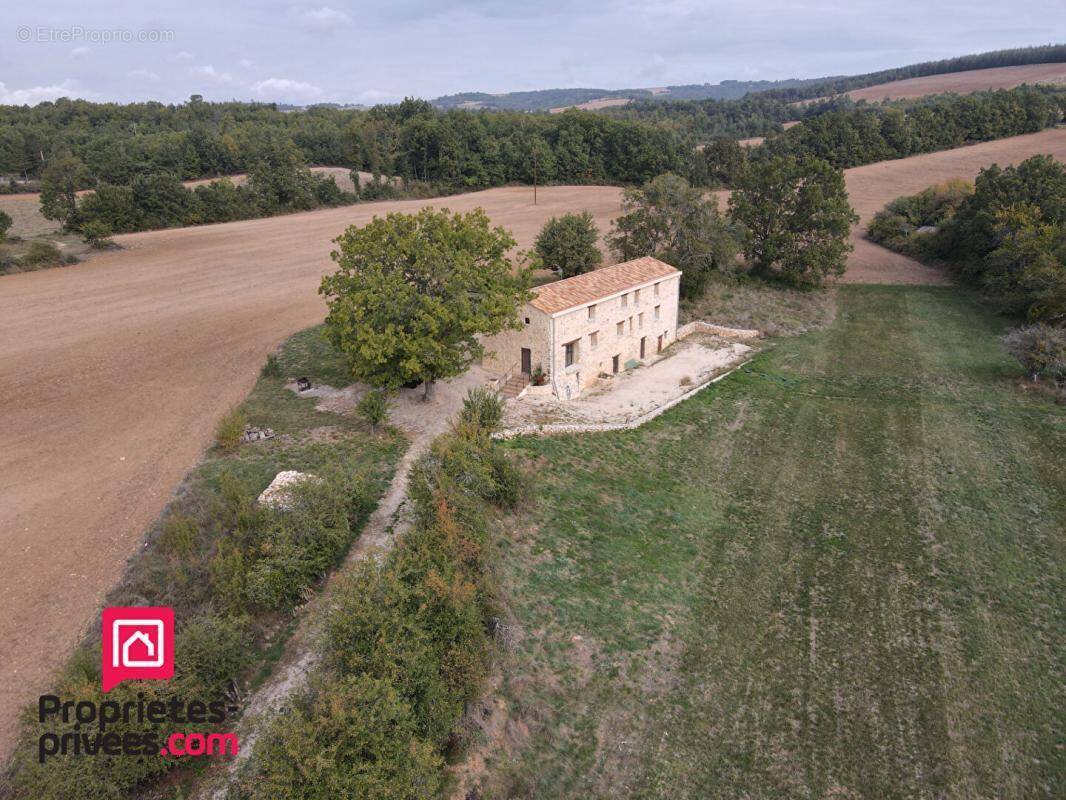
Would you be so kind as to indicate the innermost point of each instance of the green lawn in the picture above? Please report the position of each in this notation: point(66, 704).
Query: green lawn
point(836, 574)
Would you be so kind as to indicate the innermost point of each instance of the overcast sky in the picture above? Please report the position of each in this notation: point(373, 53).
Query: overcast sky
point(379, 52)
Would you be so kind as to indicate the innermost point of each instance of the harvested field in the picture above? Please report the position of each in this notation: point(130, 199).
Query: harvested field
point(872, 186)
point(595, 105)
point(113, 372)
point(26, 218)
point(974, 80)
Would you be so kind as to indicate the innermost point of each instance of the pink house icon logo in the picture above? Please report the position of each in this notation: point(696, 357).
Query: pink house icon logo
point(138, 644)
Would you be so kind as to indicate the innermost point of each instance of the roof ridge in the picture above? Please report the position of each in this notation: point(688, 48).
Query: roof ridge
point(588, 287)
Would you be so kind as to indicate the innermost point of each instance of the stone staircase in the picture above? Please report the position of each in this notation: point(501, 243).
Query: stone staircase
point(515, 384)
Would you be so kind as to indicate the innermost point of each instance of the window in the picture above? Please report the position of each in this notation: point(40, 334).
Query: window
point(657, 313)
point(527, 320)
point(630, 324)
point(640, 321)
point(593, 338)
point(570, 353)
point(655, 290)
point(625, 300)
point(636, 295)
point(620, 328)
point(592, 311)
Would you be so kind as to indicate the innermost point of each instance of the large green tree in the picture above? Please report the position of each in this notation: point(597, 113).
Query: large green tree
point(674, 222)
point(60, 182)
point(414, 293)
point(795, 216)
point(567, 245)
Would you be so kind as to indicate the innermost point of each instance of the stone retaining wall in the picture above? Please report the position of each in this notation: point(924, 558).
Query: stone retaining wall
point(720, 330)
point(600, 427)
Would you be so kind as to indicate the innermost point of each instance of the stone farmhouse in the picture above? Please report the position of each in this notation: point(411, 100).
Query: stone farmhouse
point(577, 329)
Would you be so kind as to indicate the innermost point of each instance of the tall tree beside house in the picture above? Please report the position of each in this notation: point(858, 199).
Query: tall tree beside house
point(413, 293)
point(60, 182)
point(795, 216)
point(567, 245)
point(674, 222)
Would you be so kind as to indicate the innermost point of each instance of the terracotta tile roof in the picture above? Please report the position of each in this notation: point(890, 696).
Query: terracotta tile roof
point(592, 286)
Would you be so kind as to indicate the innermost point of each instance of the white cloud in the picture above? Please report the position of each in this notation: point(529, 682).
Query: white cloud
point(218, 76)
point(38, 94)
point(181, 55)
point(247, 63)
point(320, 19)
point(144, 74)
point(372, 97)
point(78, 52)
point(287, 89)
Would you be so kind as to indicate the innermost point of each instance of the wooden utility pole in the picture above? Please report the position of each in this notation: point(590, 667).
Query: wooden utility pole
point(534, 174)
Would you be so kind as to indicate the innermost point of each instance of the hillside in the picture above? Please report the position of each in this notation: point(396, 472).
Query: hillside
point(559, 99)
point(976, 72)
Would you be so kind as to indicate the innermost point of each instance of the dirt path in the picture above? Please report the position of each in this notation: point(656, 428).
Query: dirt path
point(422, 422)
point(113, 372)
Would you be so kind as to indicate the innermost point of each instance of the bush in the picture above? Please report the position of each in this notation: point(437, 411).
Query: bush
point(41, 254)
point(1040, 349)
point(373, 408)
point(96, 233)
point(5, 225)
point(354, 738)
point(272, 367)
point(482, 409)
point(230, 428)
point(179, 534)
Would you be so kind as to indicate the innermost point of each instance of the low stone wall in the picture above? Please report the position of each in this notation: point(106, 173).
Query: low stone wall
point(719, 330)
point(600, 427)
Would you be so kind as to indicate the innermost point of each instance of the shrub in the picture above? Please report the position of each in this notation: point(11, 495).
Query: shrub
point(1040, 349)
point(5, 225)
point(230, 428)
point(272, 367)
point(96, 233)
point(179, 534)
point(41, 254)
point(210, 651)
point(353, 737)
point(482, 408)
point(373, 408)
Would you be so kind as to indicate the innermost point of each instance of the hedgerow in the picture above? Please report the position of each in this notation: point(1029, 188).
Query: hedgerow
point(407, 642)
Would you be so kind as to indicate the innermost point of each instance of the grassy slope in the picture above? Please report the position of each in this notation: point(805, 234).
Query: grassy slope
point(837, 574)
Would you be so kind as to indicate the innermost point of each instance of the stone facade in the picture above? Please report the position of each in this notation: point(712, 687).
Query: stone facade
point(575, 345)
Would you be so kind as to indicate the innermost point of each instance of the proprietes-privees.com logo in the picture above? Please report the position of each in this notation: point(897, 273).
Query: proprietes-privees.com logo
point(138, 645)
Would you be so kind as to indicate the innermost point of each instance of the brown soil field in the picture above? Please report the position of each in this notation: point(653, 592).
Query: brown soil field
point(872, 186)
point(594, 105)
point(113, 372)
point(974, 80)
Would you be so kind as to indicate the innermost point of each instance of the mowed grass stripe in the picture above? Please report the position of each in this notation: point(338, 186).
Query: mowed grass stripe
point(836, 574)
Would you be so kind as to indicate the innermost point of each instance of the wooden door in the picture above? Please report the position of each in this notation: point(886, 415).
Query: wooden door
point(527, 360)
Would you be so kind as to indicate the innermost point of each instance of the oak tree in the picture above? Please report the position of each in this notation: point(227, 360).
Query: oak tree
point(415, 292)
